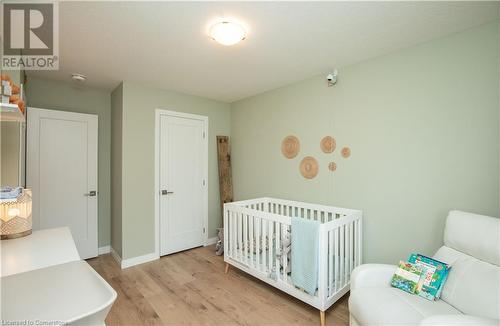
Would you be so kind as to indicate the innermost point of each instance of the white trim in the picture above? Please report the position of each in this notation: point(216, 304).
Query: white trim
point(211, 241)
point(115, 255)
point(104, 250)
point(158, 114)
point(129, 262)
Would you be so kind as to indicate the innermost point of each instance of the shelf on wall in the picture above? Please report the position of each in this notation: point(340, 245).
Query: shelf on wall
point(10, 112)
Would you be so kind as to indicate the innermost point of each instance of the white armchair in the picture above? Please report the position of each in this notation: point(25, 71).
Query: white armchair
point(471, 295)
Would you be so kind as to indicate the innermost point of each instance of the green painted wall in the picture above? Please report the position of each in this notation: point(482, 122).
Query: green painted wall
point(10, 147)
point(423, 127)
point(48, 94)
point(139, 105)
point(116, 168)
point(10, 140)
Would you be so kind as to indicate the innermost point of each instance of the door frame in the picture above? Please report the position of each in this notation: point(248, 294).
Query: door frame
point(158, 114)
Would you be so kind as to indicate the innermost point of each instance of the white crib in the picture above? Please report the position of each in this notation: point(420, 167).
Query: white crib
point(255, 229)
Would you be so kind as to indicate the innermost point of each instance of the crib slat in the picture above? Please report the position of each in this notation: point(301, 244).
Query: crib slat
point(233, 234)
point(336, 253)
point(360, 242)
point(245, 236)
point(251, 240)
point(330, 263)
point(285, 257)
point(347, 245)
point(278, 249)
point(341, 256)
point(229, 239)
point(347, 251)
point(235, 220)
point(264, 242)
point(257, 242)
point(227, 234)
point(351, 247)
point(240, 236)
point(270, 246)
point(322, 264)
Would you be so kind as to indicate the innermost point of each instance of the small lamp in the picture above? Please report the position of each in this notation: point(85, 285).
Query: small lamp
point(15, 216)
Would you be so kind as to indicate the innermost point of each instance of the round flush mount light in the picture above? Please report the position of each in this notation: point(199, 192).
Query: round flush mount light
point(227, 33)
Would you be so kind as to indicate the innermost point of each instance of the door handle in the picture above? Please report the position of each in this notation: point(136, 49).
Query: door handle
point(91, 193)
point(166, 192)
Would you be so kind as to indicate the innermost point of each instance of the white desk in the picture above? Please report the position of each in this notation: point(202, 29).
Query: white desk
point(70, 293)
point(44, 279)
point(38, 250)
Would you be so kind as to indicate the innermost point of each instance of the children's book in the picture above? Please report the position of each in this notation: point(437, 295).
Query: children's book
point(407, 277)
point(434, 274)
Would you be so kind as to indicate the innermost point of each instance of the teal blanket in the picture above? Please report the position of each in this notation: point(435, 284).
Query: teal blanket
point(305, 247)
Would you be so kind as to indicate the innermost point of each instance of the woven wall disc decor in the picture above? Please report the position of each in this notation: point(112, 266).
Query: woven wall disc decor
point(309, 167)
point(346, 152)
point(328, 144)
point(332, 166)
point(290, 146)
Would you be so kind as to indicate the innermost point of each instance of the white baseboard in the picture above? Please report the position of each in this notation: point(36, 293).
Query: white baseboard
point(129, 262)
point(211, 241)
point(104, 250)
point(115, 255)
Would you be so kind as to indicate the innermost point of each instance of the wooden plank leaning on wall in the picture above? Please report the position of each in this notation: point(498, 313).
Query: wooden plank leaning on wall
point(225, 180)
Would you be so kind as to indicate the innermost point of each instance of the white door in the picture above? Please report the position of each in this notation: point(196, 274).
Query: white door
point(182, 174)
point(61, 170)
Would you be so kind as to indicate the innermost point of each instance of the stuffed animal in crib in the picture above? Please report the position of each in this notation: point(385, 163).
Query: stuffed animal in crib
point(286, 249)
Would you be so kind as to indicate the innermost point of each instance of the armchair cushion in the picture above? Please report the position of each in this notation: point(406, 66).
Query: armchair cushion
point(391, 306)
point(459, 320)
point(473, 286)
point(475, 235)
point(372, 275)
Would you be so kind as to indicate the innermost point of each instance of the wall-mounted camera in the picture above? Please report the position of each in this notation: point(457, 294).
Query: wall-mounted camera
point(331, 78)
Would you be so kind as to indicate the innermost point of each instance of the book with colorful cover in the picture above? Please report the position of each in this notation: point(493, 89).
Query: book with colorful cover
point(434, 274)
point(407, 277)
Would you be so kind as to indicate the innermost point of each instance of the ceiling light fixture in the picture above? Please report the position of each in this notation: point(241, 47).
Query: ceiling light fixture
point(227, 33)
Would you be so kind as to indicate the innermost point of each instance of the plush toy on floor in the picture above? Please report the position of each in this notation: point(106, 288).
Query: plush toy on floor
point(219, 247)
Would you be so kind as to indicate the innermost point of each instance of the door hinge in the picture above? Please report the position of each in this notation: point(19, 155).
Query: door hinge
point(203, 182)
point(203, 230)
point(203, 135)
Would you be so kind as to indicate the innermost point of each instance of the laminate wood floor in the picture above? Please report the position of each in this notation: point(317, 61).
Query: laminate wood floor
point(190, 288)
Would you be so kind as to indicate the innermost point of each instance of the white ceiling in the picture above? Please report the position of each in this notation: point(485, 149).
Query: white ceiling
point(165, 44)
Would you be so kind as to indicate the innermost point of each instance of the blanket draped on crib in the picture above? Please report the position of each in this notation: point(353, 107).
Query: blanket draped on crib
point(305, 248)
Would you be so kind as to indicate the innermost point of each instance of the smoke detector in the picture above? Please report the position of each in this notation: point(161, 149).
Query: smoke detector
point(79, 78)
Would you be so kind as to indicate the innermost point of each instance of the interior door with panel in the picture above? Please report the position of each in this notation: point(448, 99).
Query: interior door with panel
point(182, 169)
point(61, 170)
